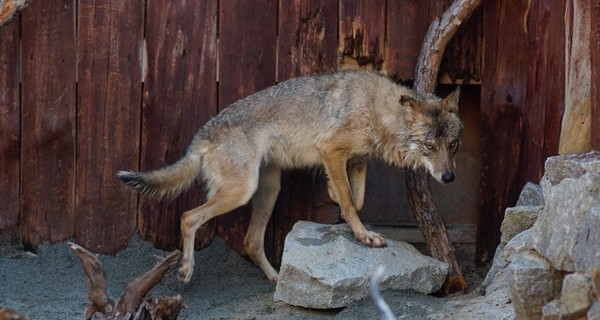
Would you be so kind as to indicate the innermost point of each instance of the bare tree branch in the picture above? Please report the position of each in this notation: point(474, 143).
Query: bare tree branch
point(419, 191)
point(439, 34)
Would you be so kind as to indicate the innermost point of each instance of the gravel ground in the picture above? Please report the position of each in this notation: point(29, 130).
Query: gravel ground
point(50, 285)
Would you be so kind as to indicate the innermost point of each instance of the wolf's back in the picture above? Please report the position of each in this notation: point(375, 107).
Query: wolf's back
point(166, 182)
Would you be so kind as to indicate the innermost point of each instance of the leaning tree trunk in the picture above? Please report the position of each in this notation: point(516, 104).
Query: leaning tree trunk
point(10, 8)
point(419, 192)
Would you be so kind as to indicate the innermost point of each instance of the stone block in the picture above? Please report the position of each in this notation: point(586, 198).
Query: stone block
point(324, 267)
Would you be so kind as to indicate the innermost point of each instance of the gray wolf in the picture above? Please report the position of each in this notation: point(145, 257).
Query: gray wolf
point(336, 120)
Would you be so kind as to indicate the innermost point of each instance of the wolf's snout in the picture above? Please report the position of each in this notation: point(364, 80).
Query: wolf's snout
point(448, 177)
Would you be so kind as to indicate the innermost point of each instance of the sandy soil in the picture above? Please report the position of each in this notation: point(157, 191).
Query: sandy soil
point(50, 285)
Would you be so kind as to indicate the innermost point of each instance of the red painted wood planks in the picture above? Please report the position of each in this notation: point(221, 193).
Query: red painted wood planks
point(521, 103)
point(179, 97)
point(362, 31)
point(108, 120)
point(9, 126)
point(407, 23)
point(48, 122)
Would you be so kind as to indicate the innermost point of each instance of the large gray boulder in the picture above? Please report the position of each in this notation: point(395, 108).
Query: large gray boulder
point(324, 267)
point(571, 166)
point(533, 283)
point(554, 267)
point(531, 195)
point(562, 223)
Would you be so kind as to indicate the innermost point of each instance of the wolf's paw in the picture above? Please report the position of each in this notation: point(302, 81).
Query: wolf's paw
point(371, 239)
point(185, 273)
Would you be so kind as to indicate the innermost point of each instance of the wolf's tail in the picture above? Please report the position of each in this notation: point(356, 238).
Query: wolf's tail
point(166, 182)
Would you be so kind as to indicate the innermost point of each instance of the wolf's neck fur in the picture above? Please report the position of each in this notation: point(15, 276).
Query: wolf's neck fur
point(393, 129)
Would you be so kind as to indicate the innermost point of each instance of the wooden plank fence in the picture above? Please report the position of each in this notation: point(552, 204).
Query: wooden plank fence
point(9, 126)
point(103, 86)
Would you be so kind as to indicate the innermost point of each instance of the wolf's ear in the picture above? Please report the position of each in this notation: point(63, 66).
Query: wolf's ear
point(451, 101)
point(411, 102)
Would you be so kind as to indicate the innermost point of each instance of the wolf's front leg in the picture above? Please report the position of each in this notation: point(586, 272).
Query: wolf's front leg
point(335, 167)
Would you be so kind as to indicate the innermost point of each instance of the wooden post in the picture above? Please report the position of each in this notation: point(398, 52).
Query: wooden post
point(595, 61)
point(576, 133)
point(419, 192)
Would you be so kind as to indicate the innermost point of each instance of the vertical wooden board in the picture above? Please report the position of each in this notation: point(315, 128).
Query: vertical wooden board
point(407, 23)
point(247, 64)
point(545, 96)
point(362, 31)
point(503, 96)
point(108, 120)
point(179, 97)
point(48, 121)
point(307, 38)
point(307, 44)
point(595, 60)
point(9, 126)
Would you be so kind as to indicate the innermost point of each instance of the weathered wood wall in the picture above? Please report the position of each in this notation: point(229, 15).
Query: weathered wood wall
point(522, 102)
point(144, 75)
point(9, 126)
point(48, 128)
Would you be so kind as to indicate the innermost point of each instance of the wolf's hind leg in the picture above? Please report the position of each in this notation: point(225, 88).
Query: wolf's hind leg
point(357, 173)
point(224, 199)
point(263, 202)
point(335, 166)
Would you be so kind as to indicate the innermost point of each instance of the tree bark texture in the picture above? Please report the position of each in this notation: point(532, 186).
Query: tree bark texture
point(576, 131)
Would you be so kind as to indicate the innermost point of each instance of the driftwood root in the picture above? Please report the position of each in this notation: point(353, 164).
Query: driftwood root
point(134, 303)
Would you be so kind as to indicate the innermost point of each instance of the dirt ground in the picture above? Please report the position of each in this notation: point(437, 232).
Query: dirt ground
point(50, 285)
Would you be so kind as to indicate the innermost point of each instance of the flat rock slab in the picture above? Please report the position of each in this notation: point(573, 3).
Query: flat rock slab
point(324, 267)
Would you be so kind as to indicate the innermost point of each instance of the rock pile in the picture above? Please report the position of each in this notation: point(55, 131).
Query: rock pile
point(550, 250)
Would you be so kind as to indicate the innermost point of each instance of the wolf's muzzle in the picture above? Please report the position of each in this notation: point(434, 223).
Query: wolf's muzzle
point(448, 177)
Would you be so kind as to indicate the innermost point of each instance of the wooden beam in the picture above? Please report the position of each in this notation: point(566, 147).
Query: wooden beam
point(576, 132)
point(595, 62)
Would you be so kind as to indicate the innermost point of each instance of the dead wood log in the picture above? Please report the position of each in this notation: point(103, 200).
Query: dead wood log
point(419, 191)
point(134, 303)
point(10, 8)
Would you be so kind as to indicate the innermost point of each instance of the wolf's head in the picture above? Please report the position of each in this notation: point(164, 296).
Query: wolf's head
point(433, 134)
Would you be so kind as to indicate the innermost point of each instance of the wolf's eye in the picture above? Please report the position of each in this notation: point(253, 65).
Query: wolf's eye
point(453, 144)
point(429, 146)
